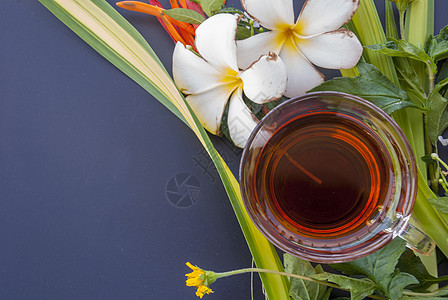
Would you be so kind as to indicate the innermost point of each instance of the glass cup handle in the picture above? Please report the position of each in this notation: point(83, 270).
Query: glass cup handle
point(416, 240)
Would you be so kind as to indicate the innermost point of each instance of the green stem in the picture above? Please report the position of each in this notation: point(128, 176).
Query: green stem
point(251, 270)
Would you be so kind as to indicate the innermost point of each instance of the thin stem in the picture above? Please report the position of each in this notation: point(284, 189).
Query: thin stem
point(435, 293)
point(431, 79)
point(251, 270)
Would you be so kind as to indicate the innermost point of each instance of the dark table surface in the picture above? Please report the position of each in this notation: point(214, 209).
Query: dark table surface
point(91, 167)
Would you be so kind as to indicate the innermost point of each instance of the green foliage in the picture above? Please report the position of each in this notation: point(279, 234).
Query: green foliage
point(402, 48)
point(440, 203)
point(303, 289)
point(437, 47)
point(211, 7)
point(380, 267)
point(185, 15)
point(437, 105)
point(359, 288)
point(371, 85)
point(412, 264)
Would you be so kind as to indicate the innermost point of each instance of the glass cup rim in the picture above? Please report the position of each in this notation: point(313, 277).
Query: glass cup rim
point(378, 242)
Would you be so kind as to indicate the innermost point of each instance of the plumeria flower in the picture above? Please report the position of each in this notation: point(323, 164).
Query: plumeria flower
point(315, 38)
point(213, 77)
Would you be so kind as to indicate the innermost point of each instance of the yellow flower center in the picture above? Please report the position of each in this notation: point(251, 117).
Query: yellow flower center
point(231, 78)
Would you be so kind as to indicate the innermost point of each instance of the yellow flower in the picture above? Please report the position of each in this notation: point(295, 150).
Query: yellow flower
point(197, 278)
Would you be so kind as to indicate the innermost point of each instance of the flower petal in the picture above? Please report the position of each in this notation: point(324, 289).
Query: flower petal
point(319, 16)
point(265, 80)
point(270, 14)
point(240, 120)
point(209, 106)
point(191, 73)
point(302, 76)
point(338, 49)
point(250, 49)
point(215, 41)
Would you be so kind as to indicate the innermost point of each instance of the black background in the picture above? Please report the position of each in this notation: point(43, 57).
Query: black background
point(86, 158)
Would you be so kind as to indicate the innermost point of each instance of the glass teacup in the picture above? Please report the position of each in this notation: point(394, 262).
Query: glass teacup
point(329, 177)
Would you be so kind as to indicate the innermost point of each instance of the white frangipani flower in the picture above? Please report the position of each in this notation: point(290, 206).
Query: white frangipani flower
point(315, 38)
point(210, 80)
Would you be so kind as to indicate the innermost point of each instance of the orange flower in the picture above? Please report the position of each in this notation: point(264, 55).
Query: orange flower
point(179, 31)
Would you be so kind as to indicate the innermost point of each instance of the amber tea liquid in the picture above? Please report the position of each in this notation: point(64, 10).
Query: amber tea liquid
point(325, 176)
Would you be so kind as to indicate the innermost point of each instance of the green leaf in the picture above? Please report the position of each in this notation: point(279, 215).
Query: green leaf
point(303, 289)
point(324, 291)
point(438, 45)
point(428, 159)
point(243, 32)
point(402, 48)
point(399, 281)
point(409, 79)
point(437, 106)
point(440, 203)
point(359, 288)
point(441, 84)
point(412, 264)
point(378, 267)
point(210, 7)
point(185, 15)
point(443, 124)
point(371, 85)
point(112, 36)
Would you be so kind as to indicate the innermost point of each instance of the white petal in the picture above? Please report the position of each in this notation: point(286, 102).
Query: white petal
point(240, 120)
point(319, 16)
point(265, 80)
point(302, 76)
point(270, 14)
point(191, 73)
point(250, 49)
point(209, 106)
point(338, 49)
point(215, 41)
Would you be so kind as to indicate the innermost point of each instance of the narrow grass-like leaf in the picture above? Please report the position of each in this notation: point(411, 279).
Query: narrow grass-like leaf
point(391, 25)
point(440, 203)
point(113, 37)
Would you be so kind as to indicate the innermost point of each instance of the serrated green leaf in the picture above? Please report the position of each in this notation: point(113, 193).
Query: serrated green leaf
point(302, 289)
point(437, 105)
point(359, 288)
point(371, 85)
point(408, 77)
point(440, 203)
point(402, 48)
point(438, 48)
point(185, 15)
point(412, 264)
point(378, 267)
point(443, 124)
point(210, 7)
point(399, 281)
point(323, 290)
